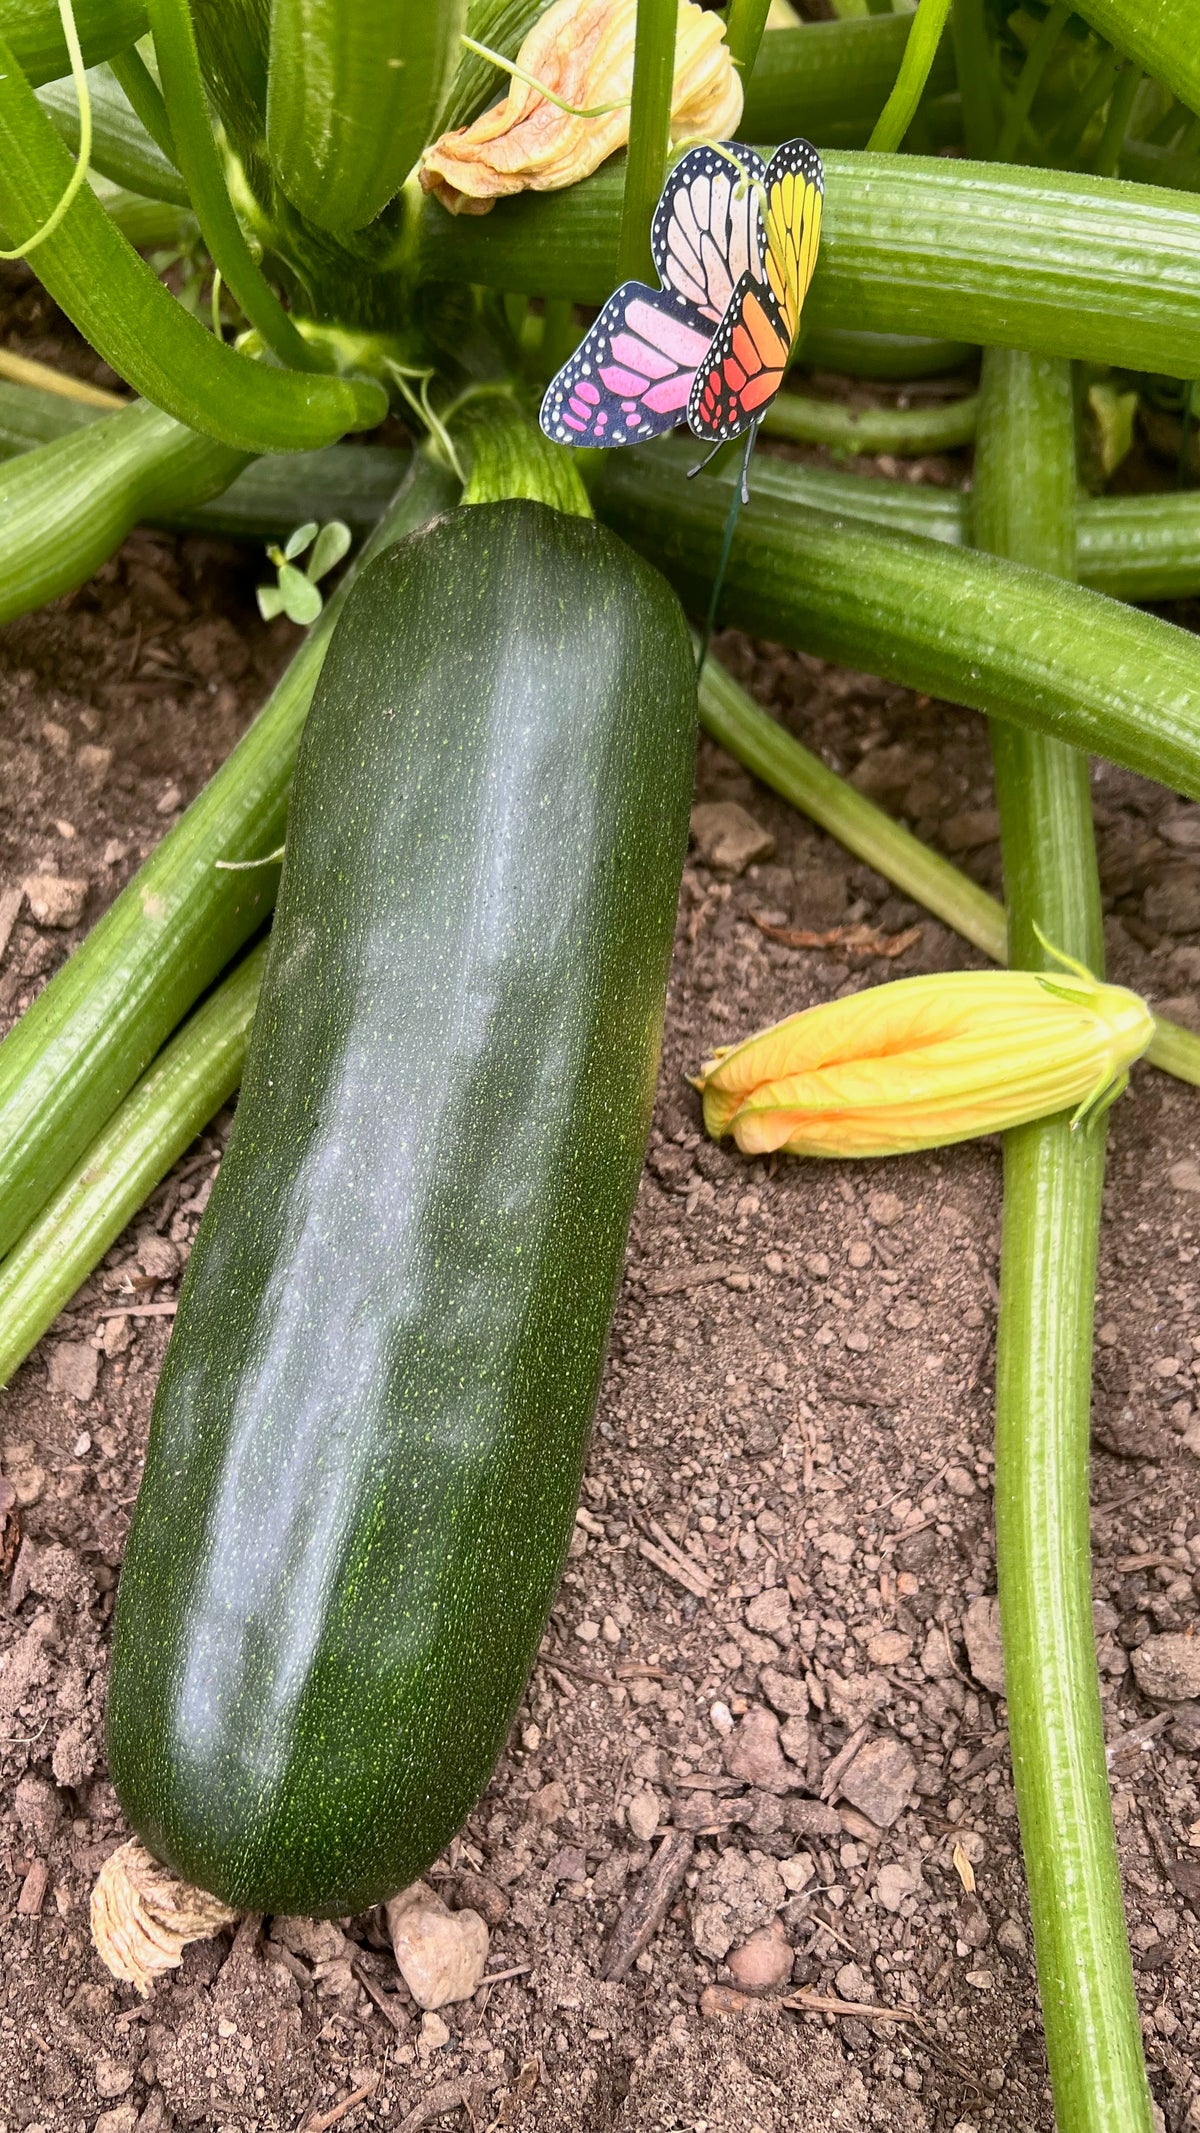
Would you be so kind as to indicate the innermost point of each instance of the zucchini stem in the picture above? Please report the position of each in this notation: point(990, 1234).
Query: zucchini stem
point(919, 53)
point(649, 134)
point(1053, 1185)
point(186, 1086)
point(805, 420)
point(200, 166)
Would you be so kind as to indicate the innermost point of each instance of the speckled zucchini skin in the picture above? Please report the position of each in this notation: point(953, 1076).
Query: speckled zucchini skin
point(371, 1424)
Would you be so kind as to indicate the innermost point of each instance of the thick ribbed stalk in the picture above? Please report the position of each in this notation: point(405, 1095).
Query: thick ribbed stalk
point(1000, 256)
point(971, 628)
point(65, 506)
point(649, 133)
point(104, 1015)
point(804, 420)
point(1053, 1183)
point(186, 1086)
point(122, 150)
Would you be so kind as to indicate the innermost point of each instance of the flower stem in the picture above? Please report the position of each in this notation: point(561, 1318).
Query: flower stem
point(649, 131)
point(1053, 1184)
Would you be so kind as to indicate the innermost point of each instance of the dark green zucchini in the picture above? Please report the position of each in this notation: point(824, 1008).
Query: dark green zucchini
point(368, 1437)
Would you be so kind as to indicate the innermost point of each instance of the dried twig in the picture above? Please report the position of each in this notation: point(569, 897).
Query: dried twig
point(688, 1277)
point(325, 2119)
point(127, 1310)
point(451, 2096)
point(386, 2002)
point(821, 2003)
point(652, 1898)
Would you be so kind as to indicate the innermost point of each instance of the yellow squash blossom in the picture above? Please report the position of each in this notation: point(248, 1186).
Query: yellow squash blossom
point(925, 1061)
point(582, 50)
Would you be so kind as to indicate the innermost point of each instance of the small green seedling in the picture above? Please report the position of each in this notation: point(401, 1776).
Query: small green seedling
point(296, 593)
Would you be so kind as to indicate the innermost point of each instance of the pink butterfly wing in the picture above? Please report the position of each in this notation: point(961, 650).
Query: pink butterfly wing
point(631, 376)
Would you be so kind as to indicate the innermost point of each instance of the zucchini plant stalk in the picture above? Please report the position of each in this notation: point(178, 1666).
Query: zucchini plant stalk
point(1053, 1180)
point(649, 132)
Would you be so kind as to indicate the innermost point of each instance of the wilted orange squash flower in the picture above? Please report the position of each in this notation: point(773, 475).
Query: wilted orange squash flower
point(582, 50)
point(925, 1061)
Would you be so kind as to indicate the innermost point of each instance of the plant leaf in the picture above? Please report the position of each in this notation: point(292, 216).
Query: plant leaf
point(270, 601)
point(332, 543)
point(298, 595)
point(298, 541)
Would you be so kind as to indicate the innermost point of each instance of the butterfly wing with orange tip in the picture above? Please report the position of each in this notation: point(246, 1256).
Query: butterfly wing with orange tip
point(745, 366)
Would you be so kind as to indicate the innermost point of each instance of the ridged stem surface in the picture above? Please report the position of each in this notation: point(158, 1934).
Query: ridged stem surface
point(1023, 503)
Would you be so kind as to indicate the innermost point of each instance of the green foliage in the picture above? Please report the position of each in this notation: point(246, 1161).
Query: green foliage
point(296, 593)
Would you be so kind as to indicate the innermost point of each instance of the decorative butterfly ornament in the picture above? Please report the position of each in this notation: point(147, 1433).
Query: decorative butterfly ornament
point(734, 242)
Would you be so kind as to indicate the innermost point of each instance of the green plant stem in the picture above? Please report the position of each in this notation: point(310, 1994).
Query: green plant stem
point(200, 165)
point(103, 1016)
point(510, 457)
point(970, 628)
point(122, 150)
point(146, 99)
point(1131, 547)
point(1159, 34)
point(1024, 503)
point(649, 134)
point(1063, 144)
point(770, 752)
point(804, 420)
point(64, 507)
point(33, 32)
point(973, 63)
point(745, 21)
point(830, 79)
point(122, 308)
point(1037, 59)
point(900, 109)
point(1108, 154)
point(897, 356)
point(183, 1089)
point(1058, 262)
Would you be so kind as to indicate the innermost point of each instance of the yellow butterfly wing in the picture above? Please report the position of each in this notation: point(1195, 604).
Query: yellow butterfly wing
point(795, 192)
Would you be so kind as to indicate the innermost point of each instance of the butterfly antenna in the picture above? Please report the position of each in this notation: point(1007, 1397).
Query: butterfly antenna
point(741, 495)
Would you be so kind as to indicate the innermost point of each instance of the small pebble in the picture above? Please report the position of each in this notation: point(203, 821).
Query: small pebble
point(764, 1962)
point(642, 1815)
point(440, 1954)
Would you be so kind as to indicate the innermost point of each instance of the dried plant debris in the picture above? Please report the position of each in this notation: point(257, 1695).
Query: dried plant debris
point(144, 1916)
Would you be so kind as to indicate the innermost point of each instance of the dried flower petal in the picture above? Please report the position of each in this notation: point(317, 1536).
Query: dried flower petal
point(583, 51)
point(925, 1061)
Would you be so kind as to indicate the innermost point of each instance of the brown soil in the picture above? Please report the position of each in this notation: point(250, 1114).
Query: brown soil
point(790, 1478)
